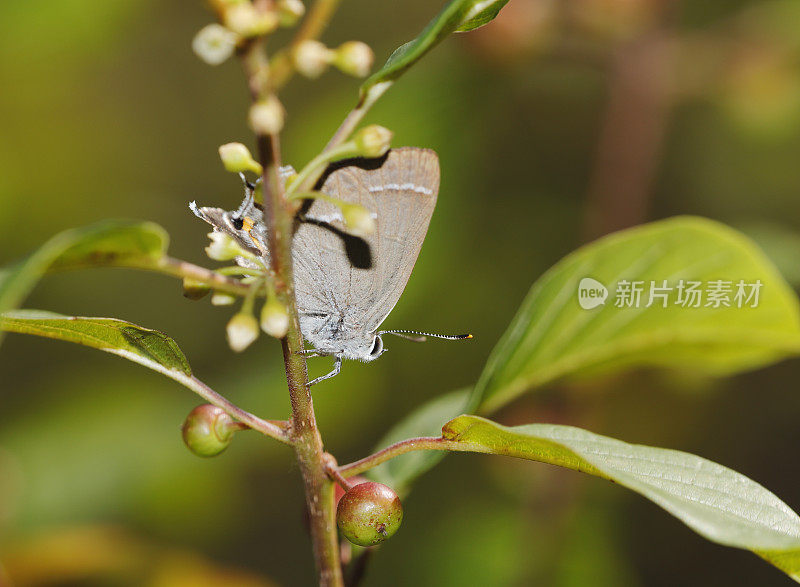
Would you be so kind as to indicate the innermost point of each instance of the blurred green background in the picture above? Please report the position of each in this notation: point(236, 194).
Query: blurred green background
point(560, 121)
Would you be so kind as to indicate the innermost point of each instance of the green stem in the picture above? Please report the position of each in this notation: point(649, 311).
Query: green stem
point(314, 169)
point(346, 128)
point(184, 269)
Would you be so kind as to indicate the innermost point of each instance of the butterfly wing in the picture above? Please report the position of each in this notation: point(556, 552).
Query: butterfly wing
point(360, 280)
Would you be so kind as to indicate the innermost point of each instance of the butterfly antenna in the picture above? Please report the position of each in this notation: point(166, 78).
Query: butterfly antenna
point(248, 198)
point(249, 186)
point(418, 336)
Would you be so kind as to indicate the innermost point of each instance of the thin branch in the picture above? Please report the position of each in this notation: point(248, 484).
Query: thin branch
point(272, 428)
point(186, 270)
point(401, 448)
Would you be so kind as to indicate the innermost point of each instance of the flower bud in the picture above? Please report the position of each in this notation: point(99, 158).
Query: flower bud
point(208, 430)
point(290, 11)
point(237, 158)
point(193, 289)
point(222, 247)
point(311, 58)
point(214, 43)
point(242, 330)
point(354, 58)
point(246, 20)
point(274, 318)
point(222, 299)
point(266, 116)
point(369, 513)
point(359, 221)
point(373, 141)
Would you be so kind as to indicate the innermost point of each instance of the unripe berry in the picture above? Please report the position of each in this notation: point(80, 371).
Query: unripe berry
point(208, 430)
point(369, 513)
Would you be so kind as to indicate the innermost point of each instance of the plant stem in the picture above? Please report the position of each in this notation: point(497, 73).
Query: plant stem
point(304, 435)
point(273, 428)
point(401, 448)
point(183, 269)
point(346, 128)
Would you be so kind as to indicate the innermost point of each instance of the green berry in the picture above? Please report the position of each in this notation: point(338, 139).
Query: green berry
point(369, 513)
point(208, 430)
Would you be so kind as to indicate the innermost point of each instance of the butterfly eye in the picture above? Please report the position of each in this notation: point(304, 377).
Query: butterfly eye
point(377, 347)
point(238, 223)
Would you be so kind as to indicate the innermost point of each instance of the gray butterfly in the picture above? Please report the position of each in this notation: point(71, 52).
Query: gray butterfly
point(346, 286)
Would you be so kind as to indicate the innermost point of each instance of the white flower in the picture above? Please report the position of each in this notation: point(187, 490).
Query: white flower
point(311, 58)
point(373, 140)
point(354, 58)
point(214, 43)
point(237, 158)
point(274, 318)
point(359, 220)
point(222, 247)
point(242, 330)
point(266, 116)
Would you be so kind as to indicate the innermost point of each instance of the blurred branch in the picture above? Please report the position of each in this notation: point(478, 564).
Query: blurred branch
point(631, 135)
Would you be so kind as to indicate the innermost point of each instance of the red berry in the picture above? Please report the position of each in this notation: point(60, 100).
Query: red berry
point(369, 513)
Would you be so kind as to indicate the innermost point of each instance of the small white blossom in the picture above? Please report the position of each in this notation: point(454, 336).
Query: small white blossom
point(290, 11)
point(267, 116)
point(274, 318)
point(242, 331)
point(222, 247)
point(373, 140)
point(359, 221)
point(311, 58)
point(214, 43)
point(354, 58)
point(237, 158)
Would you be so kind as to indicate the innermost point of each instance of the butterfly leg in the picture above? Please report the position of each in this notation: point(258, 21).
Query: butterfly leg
point(337, 366)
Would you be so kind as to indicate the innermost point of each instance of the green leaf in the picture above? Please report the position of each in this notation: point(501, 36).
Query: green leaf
point(457, 15)
point(147, 347)
point(480, 14)
point(126, 243)
point(398, 473)
point(714, 501)
point(552, 336)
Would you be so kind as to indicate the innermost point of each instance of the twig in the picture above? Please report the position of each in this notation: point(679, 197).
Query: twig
point(401, 448)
